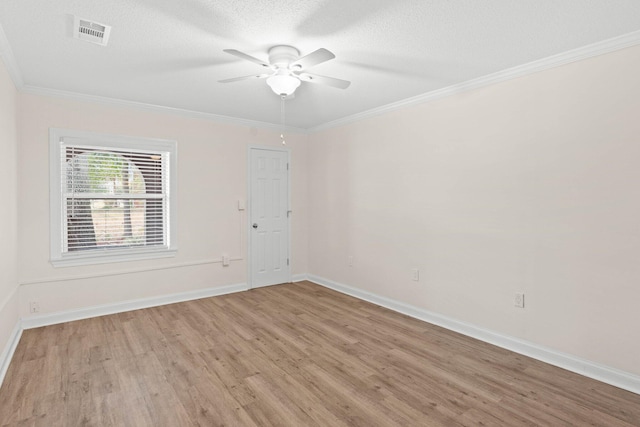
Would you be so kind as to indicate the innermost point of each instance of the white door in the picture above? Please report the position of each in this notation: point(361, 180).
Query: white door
point(269, 219)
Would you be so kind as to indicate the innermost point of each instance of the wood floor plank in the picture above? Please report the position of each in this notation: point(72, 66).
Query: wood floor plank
point(288, 355)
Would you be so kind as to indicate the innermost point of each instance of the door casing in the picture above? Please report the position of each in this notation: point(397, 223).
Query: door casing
point(250, 278)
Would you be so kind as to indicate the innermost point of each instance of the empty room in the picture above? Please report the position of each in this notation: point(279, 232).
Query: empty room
point(319, 213)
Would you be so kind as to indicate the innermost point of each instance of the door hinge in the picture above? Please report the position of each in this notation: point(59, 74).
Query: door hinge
point(287, 261)
point(287, 166)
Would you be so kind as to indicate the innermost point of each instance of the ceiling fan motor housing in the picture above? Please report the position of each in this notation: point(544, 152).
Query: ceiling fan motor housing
point(282, 56)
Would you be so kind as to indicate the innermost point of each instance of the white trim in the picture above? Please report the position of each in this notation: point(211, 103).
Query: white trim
point(289, 217)
point(595, 49)
point(102, 310)
point(123, 272)
point(105, 257)
point(298, 278)
point(248, 208)
point(103, 100)
point(119, 307)
point(14, 338)
point(9, 350)
point(57, 136)
point(615, 377)
point(6, 55)
point(598, 48)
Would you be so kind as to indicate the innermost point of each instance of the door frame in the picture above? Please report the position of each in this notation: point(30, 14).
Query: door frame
point(248, 209)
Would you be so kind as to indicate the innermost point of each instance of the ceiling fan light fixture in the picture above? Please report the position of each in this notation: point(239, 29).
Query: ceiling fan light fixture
point(283, 83)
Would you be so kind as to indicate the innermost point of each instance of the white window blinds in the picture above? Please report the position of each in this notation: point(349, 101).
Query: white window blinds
point(113, 199)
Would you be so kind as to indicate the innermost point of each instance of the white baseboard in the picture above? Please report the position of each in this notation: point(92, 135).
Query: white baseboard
point(10, 348)
point(30, 322)
point(615, 377)
point(119, 307)
point(569, 362)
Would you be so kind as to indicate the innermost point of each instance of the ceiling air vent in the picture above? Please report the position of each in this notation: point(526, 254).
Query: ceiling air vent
point(89, 31)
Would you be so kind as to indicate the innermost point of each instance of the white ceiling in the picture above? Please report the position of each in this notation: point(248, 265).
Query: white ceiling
point(169, 52)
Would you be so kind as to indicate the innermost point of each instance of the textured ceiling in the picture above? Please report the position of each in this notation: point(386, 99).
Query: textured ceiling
point(169, 52)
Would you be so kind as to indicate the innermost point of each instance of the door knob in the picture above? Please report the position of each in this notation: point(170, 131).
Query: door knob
point(255, 225)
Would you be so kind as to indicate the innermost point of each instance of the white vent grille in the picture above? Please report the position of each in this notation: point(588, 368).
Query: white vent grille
point(89, 31)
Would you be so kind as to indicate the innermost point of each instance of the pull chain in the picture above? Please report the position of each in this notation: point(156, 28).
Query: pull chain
point(282, 119)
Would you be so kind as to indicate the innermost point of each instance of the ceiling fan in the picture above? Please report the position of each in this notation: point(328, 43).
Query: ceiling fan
point(287, 69)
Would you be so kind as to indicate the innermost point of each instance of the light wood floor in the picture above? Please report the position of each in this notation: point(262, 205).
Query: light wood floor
point(288, 355)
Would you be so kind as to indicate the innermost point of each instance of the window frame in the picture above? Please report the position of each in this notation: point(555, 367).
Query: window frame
point(58, 256)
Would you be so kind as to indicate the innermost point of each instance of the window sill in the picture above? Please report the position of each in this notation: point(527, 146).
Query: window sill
point(109, 257)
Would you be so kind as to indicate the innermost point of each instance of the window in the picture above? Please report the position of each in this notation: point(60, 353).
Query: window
point(112, 198)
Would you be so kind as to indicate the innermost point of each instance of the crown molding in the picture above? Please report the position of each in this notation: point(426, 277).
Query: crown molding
point(6, 55)
point(595, 49)
point(55, 93)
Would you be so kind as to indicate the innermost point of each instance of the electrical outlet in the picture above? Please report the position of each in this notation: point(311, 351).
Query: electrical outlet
point(350, 260)
point(225, 260)
point(518, 300)
point(415, 274)
point(34, 307)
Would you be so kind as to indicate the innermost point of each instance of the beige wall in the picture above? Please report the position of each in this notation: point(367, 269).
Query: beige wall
point(8, 208)
point(212, 176)
point(529, 185)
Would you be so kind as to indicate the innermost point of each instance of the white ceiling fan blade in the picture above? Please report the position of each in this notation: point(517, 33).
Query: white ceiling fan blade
point(247, 57)
point(329, 81)
point(314, 58)
point(237, 79)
